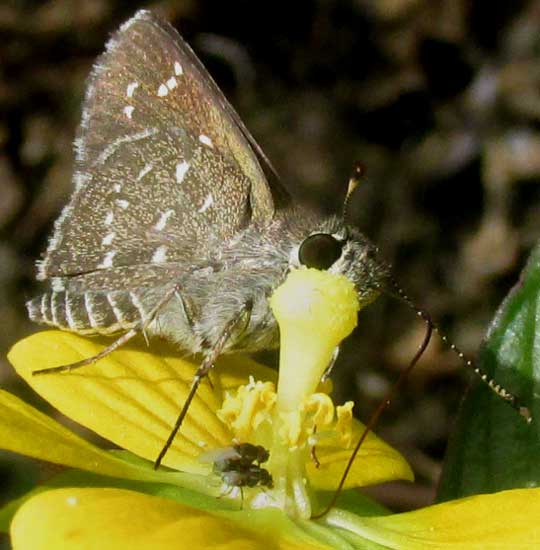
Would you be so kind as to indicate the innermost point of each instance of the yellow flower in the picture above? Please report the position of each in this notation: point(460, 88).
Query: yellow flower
point(117, 500)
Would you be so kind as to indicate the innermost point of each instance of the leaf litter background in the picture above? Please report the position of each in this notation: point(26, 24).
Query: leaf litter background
point(440, 99)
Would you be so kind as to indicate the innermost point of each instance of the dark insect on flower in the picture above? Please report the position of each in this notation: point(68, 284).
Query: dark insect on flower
point(240, 465)
point(251, 476)
point(239, 455)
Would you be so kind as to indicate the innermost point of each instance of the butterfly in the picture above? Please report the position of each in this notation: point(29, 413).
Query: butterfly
point(177, 227)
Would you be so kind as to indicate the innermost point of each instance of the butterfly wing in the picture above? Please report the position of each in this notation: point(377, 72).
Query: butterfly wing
point(163, 164)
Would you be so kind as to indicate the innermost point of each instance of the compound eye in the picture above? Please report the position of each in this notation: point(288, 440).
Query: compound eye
point(320, 251)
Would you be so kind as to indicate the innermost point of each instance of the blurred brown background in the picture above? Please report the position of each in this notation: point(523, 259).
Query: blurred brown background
point(440, 100)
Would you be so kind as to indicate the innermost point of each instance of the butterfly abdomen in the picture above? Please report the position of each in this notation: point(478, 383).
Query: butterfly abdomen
point(90, 312)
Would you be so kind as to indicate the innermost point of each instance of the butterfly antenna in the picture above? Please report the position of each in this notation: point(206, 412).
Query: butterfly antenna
point(379, 410)
point(358, 172)
point(499, 390)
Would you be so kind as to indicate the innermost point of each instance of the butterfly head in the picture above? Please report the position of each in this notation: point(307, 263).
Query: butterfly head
point(340, 248)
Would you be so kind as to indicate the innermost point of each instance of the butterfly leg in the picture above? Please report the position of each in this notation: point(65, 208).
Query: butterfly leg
point(89, 360)
point(233, 327)
point(189, 315)
point(116, 344)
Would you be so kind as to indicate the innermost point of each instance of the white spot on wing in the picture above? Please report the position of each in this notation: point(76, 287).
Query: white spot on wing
point(144, 171)
point(178, 69)
point(128, 110)
point(163, 219)
point(109, 218)
point(108, 239)
point(160, 255)
point(181, 169)
point(131, 87)
point(162, 90)
point(205, 140)
point(117, 187)
point(171, 83)
point(108, 259)
point(208, 202)
point(72, 501)
point(122, 203)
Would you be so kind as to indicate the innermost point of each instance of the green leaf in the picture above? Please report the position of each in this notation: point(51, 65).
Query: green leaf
point(493, 448)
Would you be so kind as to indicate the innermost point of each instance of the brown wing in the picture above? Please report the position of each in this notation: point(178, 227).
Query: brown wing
point(163, 167)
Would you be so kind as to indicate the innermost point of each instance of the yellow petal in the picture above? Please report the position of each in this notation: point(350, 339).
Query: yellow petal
point(27, 431)
point(132, 397)
point(508, 519)
point(376, 462)
point(115, 519)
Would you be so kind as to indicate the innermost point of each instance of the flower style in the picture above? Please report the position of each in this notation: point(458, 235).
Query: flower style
point(115, 499)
